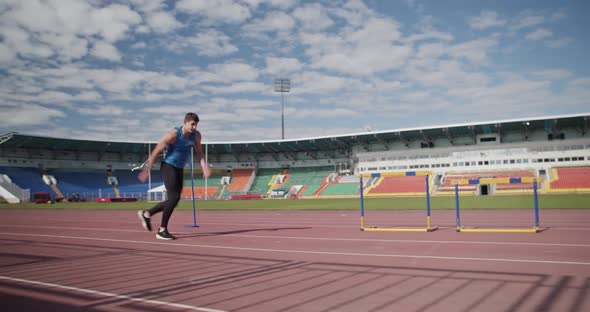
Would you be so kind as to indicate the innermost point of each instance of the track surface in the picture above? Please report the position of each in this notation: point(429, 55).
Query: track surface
point(68, 260)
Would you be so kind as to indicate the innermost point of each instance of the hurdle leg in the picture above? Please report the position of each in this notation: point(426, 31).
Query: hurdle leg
point(429, 227)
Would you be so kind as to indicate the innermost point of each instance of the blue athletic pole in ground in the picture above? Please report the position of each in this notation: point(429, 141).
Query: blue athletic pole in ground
point(457, 206)
point(193, 193)
point(536, 204)
point(362, 205)
point(427, 203)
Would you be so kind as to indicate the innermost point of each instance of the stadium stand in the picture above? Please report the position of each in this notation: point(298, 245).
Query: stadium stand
point(530, 148)
point(87, 183)
point(309, 177)
point(397, 185)
point(341, 189)
point(27, 178)
point(240, 178)
point(448, 185)
point(211, 189)
point(570, 179)
point(262, 181)
point(129, 184)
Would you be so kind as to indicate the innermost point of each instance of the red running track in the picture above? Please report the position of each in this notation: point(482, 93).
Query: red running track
point(68, 260)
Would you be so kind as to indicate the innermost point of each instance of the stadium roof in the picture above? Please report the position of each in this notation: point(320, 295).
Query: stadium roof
point(550, 124)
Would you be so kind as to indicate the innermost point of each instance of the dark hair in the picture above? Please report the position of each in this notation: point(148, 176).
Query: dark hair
point(190, 117)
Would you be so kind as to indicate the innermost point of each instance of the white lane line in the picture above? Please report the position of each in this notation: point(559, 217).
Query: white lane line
point(204, 234)
point(412, 241)
point(312, 252)
point(353, 224)
point(107, 294)
point(71, 228)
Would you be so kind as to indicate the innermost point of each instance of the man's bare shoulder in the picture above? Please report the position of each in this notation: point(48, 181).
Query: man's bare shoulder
point(170, 136)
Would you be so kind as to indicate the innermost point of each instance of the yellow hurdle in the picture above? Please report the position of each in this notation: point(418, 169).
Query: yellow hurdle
point(428, 228)
point(535, 229)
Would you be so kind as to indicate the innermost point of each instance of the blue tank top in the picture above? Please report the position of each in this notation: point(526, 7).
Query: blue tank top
point(177, 153)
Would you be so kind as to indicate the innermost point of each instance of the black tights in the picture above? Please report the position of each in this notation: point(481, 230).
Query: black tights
point(173, 178)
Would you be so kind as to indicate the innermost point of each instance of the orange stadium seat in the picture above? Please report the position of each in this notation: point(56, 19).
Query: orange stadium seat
point(199, 192)
point(240, 178)
point(572, 178)
point(403, 184)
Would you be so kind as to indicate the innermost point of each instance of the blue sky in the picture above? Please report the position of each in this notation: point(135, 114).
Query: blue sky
point(130, 70)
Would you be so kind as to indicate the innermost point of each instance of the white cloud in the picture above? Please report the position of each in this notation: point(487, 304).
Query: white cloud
point(227, 72)
point(553, 74)
point(344, 58)
point(112, 22)
point(238, 87)
point(7, 55)
point(583, 82)
point(559, 42)
point(67, 46)
point(475, 51)
point(364, 50)
point(539, 34)
point(364, 60)
point(447, 75)
point(282, 65)
point(64, 28)
point(314, 82)
point(227, 11)
point(244, 103)
point(54, 97)
point(212, 43)
point(312, 112)
point(139, 45)
point(355, 13)
point(486, 19)
point(272, 22)
point(283, 4)
point(167, 110)
point(162, 22)
point(148, 5)
point(559, 15)
point(106, 51)
point(102, 110)
point(515, 95)
point(429, 34)
point(375, 30)
point(14, 116)
point(431, 51)
point(22, 43)
point(528, 19)
point(313, 17)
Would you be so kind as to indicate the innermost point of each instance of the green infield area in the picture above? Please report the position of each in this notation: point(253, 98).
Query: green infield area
point(565, 201)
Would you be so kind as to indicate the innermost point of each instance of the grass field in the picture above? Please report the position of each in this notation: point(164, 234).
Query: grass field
point(578, 201)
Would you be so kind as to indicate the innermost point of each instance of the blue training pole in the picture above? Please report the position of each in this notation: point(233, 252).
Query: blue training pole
point(193, 192)
point(427, 197)
point(457, 206)
point(536, 203)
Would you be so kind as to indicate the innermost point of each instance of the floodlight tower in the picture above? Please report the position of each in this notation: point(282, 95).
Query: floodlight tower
point(282, 85)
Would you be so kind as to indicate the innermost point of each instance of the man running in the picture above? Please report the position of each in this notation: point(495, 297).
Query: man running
point(176, 145)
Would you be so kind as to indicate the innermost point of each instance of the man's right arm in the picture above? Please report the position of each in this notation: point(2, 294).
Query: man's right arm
point(168, 138)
